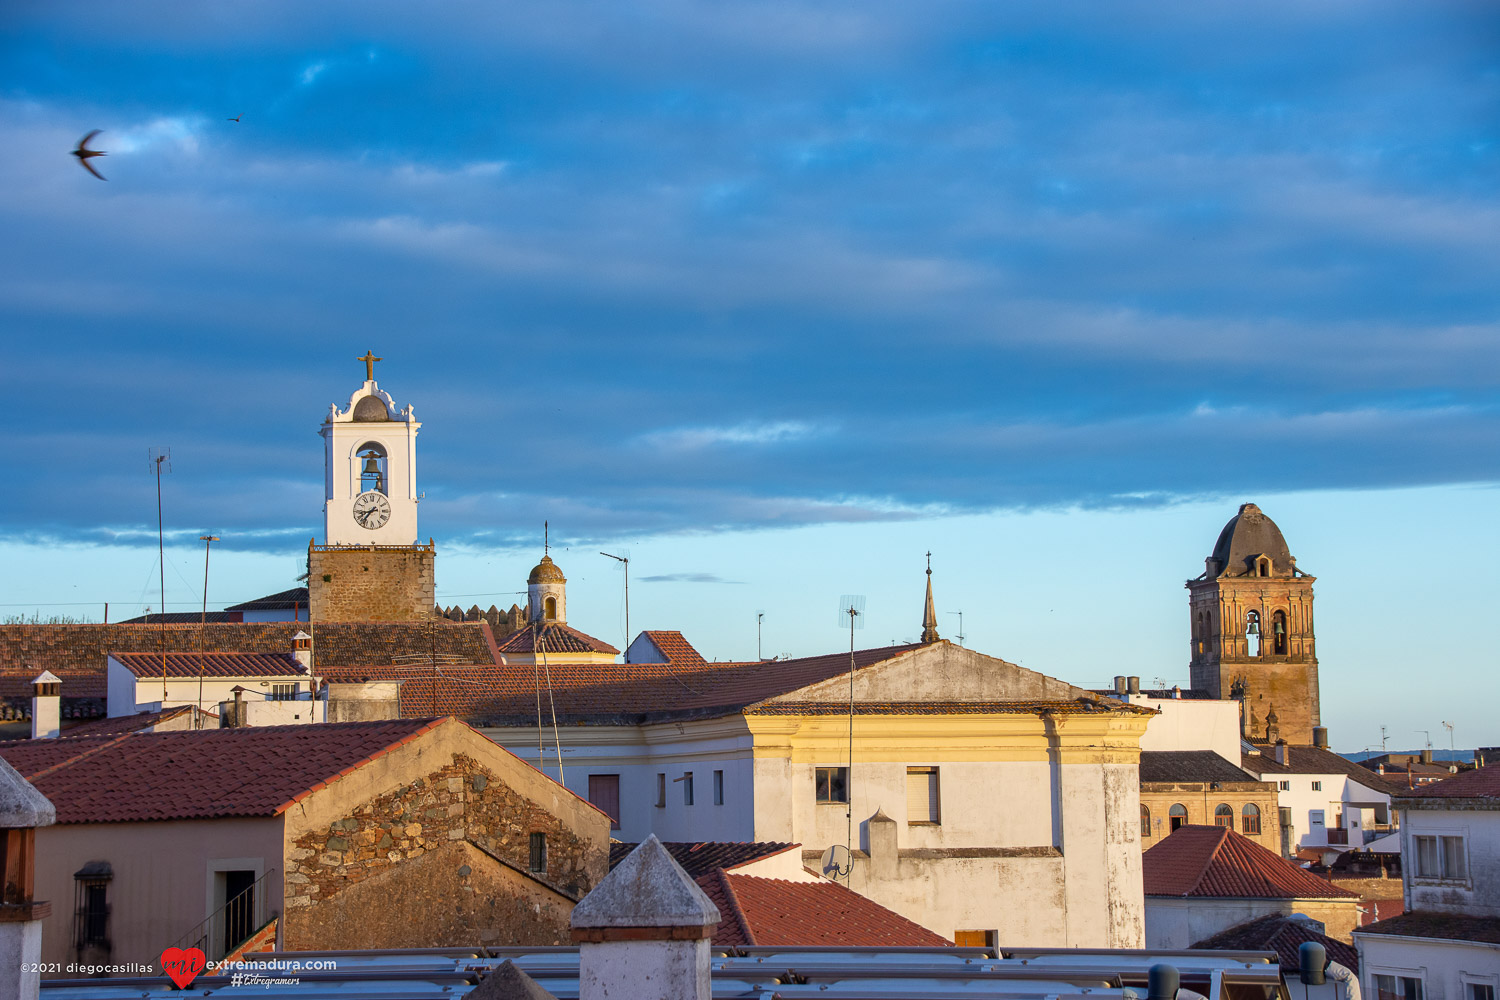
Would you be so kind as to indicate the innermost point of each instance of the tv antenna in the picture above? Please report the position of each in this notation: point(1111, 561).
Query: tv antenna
point(961, 636)
point(1382, 739)
point(1449, 726)
point(161, 457)
point(624, 561)
point(208, 541)
point(1427, 733)
point(759, 617)
point(852, 611)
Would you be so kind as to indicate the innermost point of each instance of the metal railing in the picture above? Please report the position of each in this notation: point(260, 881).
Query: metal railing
point(232, 924)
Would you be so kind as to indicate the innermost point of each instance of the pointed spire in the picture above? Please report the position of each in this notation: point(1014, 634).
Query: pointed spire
point(546, 540)
point(929, 614)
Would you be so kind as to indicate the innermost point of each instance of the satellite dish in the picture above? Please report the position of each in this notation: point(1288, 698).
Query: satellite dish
point(836, 862)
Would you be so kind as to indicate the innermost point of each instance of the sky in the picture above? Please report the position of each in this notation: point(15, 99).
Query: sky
point(777, 297)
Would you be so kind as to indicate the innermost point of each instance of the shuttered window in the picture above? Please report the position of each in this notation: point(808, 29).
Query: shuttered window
point(604, 792)
point(922, 795)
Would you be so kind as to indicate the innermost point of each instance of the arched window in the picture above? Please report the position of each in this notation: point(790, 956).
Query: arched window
point(549, 609)
point(1250, 819)
point(1223, 815)
point(1145, 821)
point(1177, 816)
point(1278, 633)
point(1252, 633)
point(1263, 566)
point(372, 470)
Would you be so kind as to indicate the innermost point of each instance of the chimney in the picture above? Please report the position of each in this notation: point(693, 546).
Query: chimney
point(1177, 692)
point(1120, 684)
point(235, 717)
point(1133, 685)
point(46, 706)
point(1380, 768)
point(302, 650)
point(1320, 737)
point(646, 922)
point(22, 810)
point(1427, 756)
point(1280, 752)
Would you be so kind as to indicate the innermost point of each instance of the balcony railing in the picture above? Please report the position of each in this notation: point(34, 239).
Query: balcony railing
point(231, 925)
point(1339, 836)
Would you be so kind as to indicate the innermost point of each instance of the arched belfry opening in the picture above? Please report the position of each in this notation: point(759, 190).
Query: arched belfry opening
point(374, 469)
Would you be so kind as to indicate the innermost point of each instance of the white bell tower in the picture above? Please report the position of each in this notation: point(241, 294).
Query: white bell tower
point(370, 468)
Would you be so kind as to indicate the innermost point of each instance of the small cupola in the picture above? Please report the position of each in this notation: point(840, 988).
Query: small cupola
point(546, 588)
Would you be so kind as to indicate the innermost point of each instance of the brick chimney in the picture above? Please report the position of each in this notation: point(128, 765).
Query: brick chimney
point(46, 706)
point(647, 922)
point(302, 649)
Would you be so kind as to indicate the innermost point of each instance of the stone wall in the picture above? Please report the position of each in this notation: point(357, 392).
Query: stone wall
point(463, 803)
point(371, 583)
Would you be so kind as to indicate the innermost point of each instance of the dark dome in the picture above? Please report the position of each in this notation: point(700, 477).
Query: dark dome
point(546, 572)
point(1247, 535)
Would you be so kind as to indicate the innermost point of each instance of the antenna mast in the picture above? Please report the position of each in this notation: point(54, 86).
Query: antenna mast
point(207, 541)
point(157, 458)
point(625, 561)
point(851, 606)
point(961, 636)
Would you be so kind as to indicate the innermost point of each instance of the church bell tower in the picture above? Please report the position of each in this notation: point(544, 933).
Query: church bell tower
point(370, 567)
point(1251, 618)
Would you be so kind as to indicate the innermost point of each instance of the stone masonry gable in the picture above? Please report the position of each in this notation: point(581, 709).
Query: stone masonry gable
point(940, 672)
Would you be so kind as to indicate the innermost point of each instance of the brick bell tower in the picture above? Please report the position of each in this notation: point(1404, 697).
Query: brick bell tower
point(1251, 617)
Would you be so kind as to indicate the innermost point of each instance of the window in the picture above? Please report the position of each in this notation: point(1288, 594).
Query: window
point(1317, 786)
point(283, 692)
point(718, 788)
point(604, 792)
point(1285, 786)
point(661, 790)
point(1397, 988)
point(372, 470)
point(922, 795)
point(833, 784)
point(91, 905)
point(1176, 816)
point(1145, 822)
point(1252, 633)
point(1315, 817)
point(1479, 991)
point(1440, 857)
point(1250, 818)
point(687, 788)
point(549, 609)
point(1278, 633)
point(539, 852)
point(1223, 815)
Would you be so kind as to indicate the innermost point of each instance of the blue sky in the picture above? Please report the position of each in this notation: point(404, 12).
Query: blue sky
point(731, 284)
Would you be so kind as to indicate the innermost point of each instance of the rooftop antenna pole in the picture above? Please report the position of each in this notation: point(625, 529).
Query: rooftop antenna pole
point(208, 541)
point(1382, 739)
point(852, 605)
point(961, 636)
point(625, 560)
point(157, 458)
point(1451, 749)
point(1427, 733)
point(759, 615)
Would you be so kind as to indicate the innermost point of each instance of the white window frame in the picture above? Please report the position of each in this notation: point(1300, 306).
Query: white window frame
point(1420, 975)
point(1439, 836)
point(1466, 980)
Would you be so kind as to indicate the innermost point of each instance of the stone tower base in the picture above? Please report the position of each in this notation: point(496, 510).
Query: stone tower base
point(371, 583)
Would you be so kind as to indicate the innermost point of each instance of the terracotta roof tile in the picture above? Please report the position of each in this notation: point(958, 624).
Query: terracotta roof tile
point(185, 618)
point(554, 638)
point(1422, 923)
point(286, 600)
point(1190, 766)
point(1314, 760)
point(1480, 783)
point(702, 857)
point(674, 647)
point(148, 665)
point(1215, 861)
point(133, 723)
point(1082, 705)
point(768, 911)
point(207, 774)
point(442, 689)
point(1283, 935)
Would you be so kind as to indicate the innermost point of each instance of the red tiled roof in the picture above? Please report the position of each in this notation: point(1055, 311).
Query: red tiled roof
point(1216, 861)
point(1081, 705)
point(770, 911)
point(150, 665)
point(133, 723)
point(427, 690)
point(1284, 935)
point(1315, 760)
point(674, 647)
point(702, 857)
point(1452, 926)
point(207, 774)
point(554, 638)
point(1480, 783)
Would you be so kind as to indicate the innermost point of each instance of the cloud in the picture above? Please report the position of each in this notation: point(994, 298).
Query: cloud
point(695, 438)
point(688, 578)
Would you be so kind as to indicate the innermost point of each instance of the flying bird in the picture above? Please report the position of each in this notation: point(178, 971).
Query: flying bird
point(83, 153)
point(236, 117)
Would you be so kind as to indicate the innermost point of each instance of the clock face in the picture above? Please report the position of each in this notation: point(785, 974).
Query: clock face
point(371, 509)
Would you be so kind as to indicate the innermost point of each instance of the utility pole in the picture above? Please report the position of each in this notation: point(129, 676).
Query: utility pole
point(758, 616)
point(208, 541)
point(624, 560)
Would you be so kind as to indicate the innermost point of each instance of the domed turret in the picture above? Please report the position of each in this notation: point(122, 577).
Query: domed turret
point(546, 571)
point(547, 596)
point(1251, 545)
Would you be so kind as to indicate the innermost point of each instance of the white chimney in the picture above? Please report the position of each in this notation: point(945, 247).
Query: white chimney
point(302, 649)
point(1281, 752)
point(46, 706)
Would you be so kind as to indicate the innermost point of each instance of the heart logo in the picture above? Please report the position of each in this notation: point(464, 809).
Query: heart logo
point(182, 965)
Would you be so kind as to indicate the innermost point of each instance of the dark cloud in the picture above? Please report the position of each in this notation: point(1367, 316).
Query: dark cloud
point(668, 267)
